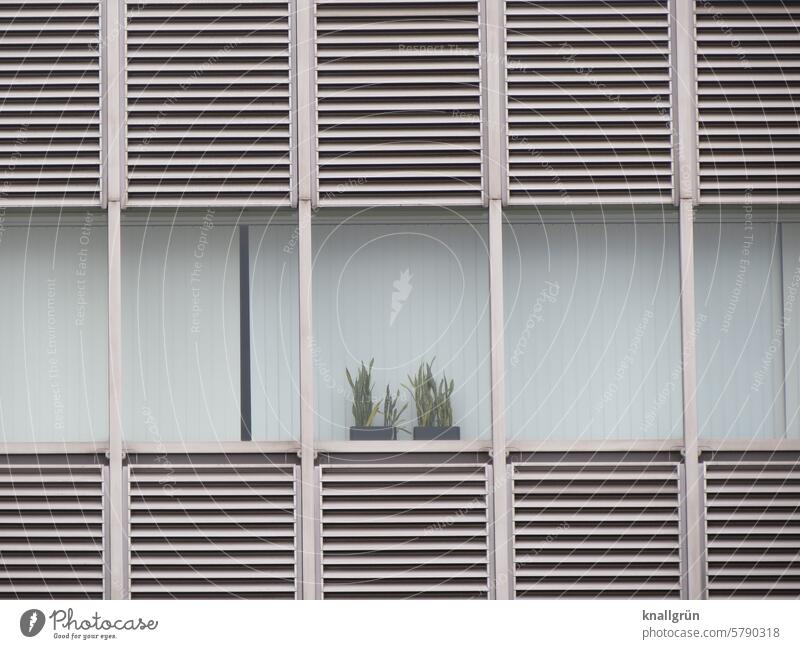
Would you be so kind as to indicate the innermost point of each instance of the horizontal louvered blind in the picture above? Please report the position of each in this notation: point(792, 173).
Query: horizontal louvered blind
point(51, 531)
point(404, 531)
point(753, 529)
point(208, 103)
point(588, 97)
point(748, 99)
point(399, 98)
point(50, 104)
point(212, 530)
point(596, 529)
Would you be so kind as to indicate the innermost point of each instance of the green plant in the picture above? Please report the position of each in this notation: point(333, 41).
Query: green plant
point(444, 406)
point(422, 387)
point(391, 412)
point(433, 402)
point(364, 410)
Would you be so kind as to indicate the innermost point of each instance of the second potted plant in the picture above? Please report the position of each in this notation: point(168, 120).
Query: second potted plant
point(434, 406)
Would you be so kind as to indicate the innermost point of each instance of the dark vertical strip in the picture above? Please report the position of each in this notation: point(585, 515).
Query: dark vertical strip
point(244, 331)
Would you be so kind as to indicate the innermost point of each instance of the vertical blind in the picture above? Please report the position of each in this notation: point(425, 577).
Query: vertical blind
point(53, 330)
point(740, 364)
point(180, 307)
point(593, 331)
point(275, 333)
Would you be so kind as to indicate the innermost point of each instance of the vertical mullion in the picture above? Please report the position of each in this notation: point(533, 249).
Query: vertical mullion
point(306, 155)
point(500, 491)
point(494, 147)
point(307, 442)
point(112, 42)
point(685, 94)
point(685, 113)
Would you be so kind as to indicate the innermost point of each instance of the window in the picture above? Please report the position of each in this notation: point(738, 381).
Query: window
point(740, 336)
point(403, 294)
point(53, 384)
point(592, 337)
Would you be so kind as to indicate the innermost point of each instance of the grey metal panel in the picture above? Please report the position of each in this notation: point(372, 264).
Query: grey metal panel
point(50, 103)
point(51, 531)
point(404, 531)
point(208, 102)
point(205, 530)
point(596, 529)
point(399, 102)
point(589, 102)
point(752, 529)
point(748, 101)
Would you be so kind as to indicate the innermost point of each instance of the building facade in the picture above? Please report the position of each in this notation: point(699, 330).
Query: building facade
point(583, 214)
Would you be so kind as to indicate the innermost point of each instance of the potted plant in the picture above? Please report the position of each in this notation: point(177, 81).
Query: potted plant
point(434, 405)
point(391, 412)
point(364, 409)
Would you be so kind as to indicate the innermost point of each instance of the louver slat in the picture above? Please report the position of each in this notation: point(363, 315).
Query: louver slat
point(208, 103)
point(748, 100)
point(50, 103)
point(596, 529)
point(404, 531)
point(588, 101)
point(399, 115)
point(753, 529)
point(208, 531)
point(51, 531)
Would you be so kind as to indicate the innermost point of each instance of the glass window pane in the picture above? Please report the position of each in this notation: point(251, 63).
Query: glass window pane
point(401, 295)
point(181, 349)
point(592, 335)
point(275, 335)
point(53, 383)
point(740, 358)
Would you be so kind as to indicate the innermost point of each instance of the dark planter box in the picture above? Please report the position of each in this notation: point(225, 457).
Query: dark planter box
point(437, 432)
point(366, 433)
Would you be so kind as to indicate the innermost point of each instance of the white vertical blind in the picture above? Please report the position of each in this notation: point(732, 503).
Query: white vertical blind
point(739, 343)
point(180, 302)
point(592, 331)
point(401, 294)
point(274, 333)
point(790, 249)
point(53, 333)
